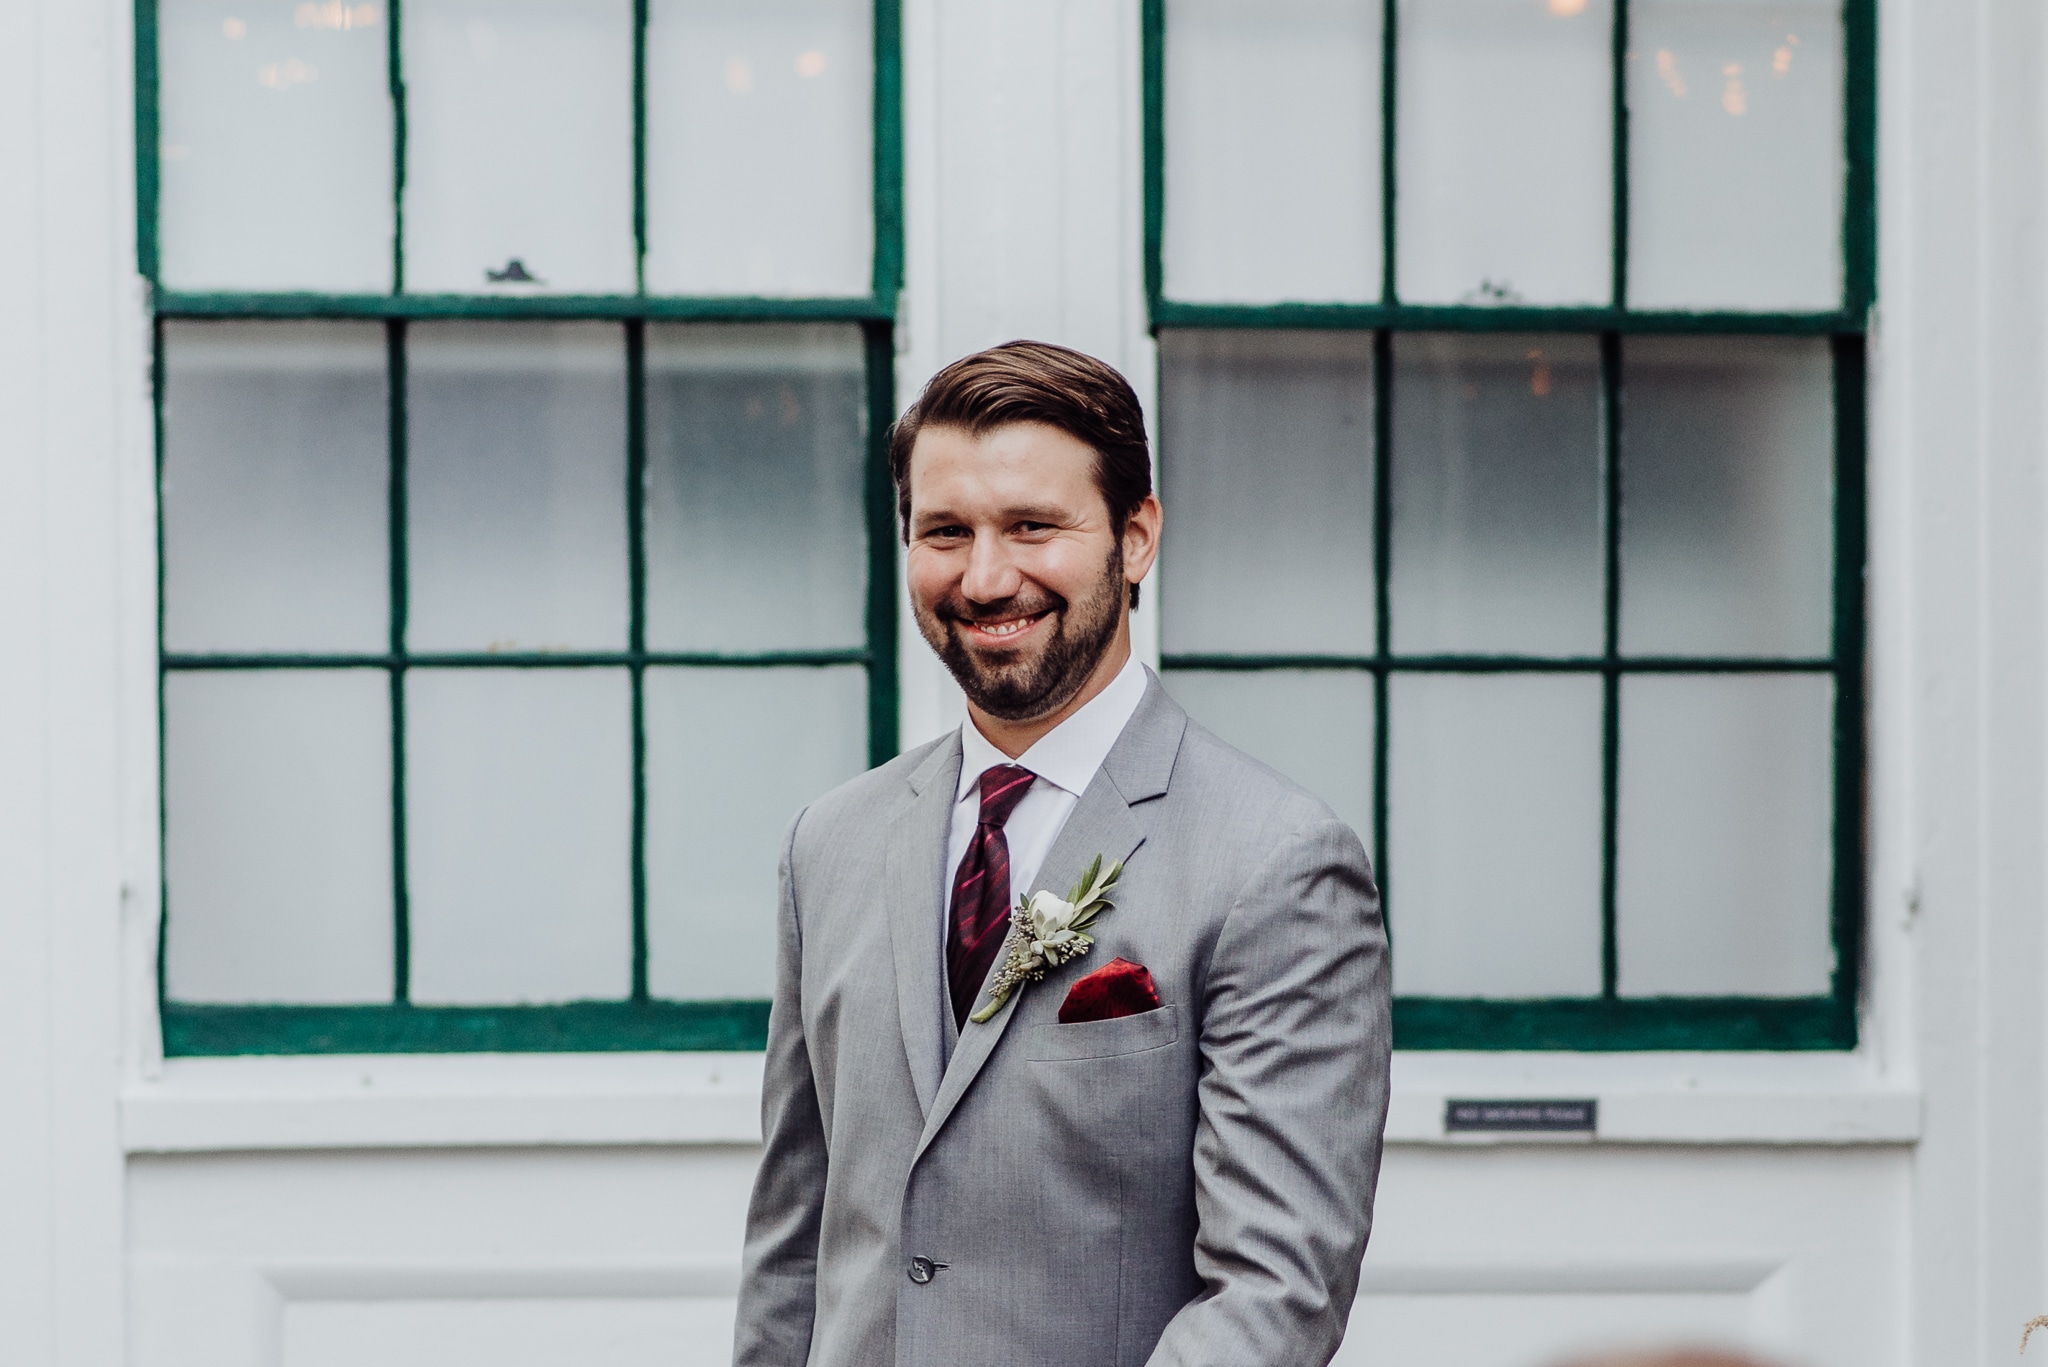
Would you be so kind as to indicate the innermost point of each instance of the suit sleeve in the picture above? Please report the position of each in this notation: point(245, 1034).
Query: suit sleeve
point(779, 1270)
point(1296, 1039)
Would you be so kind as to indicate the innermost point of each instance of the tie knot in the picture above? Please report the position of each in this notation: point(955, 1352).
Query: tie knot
point(1002, 787)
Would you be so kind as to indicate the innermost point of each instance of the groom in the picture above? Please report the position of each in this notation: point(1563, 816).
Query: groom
point(1163, 1151)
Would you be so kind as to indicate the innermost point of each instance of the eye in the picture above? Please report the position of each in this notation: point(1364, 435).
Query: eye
point(946, 533)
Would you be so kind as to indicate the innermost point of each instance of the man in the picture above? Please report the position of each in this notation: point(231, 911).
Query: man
point(983, 1153)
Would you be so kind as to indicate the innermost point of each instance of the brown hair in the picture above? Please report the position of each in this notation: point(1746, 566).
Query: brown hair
point(1037, 382)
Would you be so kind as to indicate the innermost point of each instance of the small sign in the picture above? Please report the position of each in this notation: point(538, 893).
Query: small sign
point(1540, 1116)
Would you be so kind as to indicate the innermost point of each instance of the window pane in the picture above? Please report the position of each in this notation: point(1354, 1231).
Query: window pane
point(1313, 725)
point(732, 756)
point(1728, 496)
point(1735, 154)
point(1266, 473)
point(277, 836)
point(760, 147)
point(519, 146)
point(1497, 495)
point(276, 487)
point(1505, 152)
point(1724, 826)
point(1272, 150)
point(519, 805)
point(517, 475)
point(276, 156)
point(1494, 823)
point(756, 458)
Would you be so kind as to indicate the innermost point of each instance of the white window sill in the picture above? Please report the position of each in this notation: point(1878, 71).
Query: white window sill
point(462, 1100)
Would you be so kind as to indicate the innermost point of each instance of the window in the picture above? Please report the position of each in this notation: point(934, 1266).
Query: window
point(522, 372)
point(1512, 389)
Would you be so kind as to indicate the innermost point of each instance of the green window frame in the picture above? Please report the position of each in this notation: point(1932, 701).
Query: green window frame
point(639, 1022)
point(1608, 1022)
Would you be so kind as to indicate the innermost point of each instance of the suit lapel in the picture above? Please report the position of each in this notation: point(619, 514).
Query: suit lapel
point(1136, 770)
point(914, 883)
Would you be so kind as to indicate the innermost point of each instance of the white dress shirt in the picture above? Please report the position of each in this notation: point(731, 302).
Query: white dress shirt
point(1065, 760)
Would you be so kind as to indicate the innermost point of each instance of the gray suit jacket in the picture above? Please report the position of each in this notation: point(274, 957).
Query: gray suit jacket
point(1192, 1185)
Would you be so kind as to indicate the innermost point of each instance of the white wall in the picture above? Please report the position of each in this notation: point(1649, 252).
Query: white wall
point(1956, 902)
point(1882, 1208)
point(76, 753)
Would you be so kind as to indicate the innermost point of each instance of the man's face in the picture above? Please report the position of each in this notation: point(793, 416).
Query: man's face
point(1016, 575)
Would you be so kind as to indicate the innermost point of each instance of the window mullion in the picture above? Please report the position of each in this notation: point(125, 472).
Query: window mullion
point(1620, 153)
point(639, 184)
point(636, 620)
point(395, 69)
point(1389, 31)
point(1610, 693)
point(1382, 570)
point(399, 538)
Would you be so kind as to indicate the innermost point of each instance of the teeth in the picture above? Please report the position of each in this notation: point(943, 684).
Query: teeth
point(1010, 628)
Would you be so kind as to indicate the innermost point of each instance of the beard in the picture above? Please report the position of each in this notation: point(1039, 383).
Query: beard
point(1026, 688)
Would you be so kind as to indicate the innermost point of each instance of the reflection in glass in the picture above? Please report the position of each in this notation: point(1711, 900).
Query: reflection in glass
point(276, 487)
point(760, 147)
point(1505, 141)
point(1266, 466)
point(756, 538)
point(1315, 726)
point(1494, 832)
point(732, 756)
point(275, 159)
point(1497, 495)
point(517, 486)
point(519, 146)
point(1725, 815)
point(277, 836)
point(1735, 154)
point(519, 804)
point(1727, 496)
point(1272, 150)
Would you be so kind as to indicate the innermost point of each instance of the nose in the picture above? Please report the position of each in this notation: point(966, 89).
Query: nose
point(992, 575)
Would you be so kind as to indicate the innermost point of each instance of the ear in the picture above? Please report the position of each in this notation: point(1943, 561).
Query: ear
point(1141, 538)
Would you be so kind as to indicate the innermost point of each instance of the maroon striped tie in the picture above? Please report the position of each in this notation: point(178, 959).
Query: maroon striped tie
point(981, 889)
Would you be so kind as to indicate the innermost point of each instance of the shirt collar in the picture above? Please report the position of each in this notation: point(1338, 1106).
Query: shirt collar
point(1068, 755)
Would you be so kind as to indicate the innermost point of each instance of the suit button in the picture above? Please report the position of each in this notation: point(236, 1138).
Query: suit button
point(921, 1270)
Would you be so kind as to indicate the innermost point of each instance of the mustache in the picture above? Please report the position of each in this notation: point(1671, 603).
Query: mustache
point(955, 607)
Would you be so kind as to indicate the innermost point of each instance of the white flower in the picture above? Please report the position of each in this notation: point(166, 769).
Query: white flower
point(1050, 914)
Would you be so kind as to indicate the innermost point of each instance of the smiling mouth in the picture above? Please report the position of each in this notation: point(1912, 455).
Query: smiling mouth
point(1004, 629)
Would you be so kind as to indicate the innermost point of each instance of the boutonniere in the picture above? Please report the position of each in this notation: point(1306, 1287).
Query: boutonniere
point(1046, 931)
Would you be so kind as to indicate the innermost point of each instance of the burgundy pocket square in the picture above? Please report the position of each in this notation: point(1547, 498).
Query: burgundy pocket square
point(1118, 988)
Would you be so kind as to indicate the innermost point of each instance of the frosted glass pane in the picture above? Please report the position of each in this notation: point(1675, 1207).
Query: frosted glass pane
point(519, 807)
point(1725, 816)
point(760, 147)
point(276, 487)
point(1272, 150)
point(1727, 506)
point(1313, 725)
point(1497, 495)
point(1504, 152)
point(1735, 154)
point(519, 146)
point(1494, 827)
point(732, 755)
point(277, 836)
point(1265, 464)
point(756, 459)
point(276, 154)
point(517, 472)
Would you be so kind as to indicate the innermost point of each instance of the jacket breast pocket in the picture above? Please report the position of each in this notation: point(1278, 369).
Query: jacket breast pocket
point(1153, 1029)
